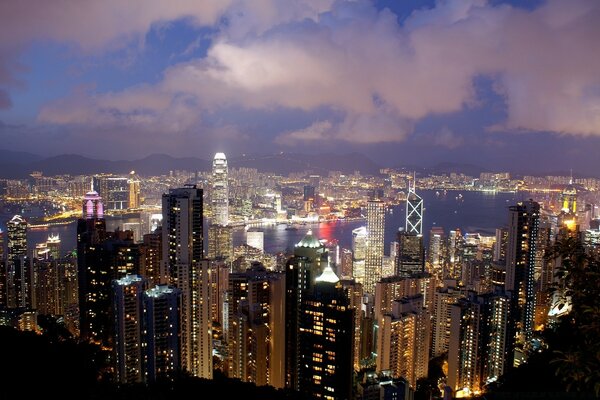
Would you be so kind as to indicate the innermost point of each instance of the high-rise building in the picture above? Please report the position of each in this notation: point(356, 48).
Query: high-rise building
point(442, 315)
point(375, 243)
point(220, 192)
point(523, 229)
point(354, 293)
point(151, 257)
point(134, 191)
point(383, 386)
point(220, 242)
point(257, 326)
point(160, 332)
point(403, 340)
point(568, 199)
point(436, 255)
point(184, 267)
point(414, 211)
point(359, 253)
point(310, 257)
point(326, 340)
point(19, 288)
point(411, 254)
point(394, 288)
point(113, 190)
point(500, 245)
point(128, 313)
point(219, 284)
point(478, 346)
point(346, 263)
point(256, 239)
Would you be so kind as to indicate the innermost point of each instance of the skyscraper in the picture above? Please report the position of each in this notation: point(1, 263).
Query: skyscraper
point(220, 242)
point(414, 211)
point(151, 257)
point(220, 192)
point(185, 268)
point(375, 243)
point(326, 340)
point(19, 269)
point(256, 326)
point(134, 191)
point(521, 256)
point(127, 296)
point(160, 332)
point(359, 252)
point(411, 254)
point(310, 257)
point(114, 190)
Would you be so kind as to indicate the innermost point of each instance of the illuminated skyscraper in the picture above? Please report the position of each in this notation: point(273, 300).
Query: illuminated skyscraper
point(326, 340)
point(359, 253)
point(568, 199)
point(220, 242)
point(184, 267)
point(160, 332)
point(114, 190)
point(310, 257)
point(521, 256)
point(414, 211)
point(19, 269)
point(128, 313)
point(256, 326)
point(134, 191)
point(220, 192)
point(442, 315)
point(403, 340)
point(346, 263)
point(151, 257)
point(411, 254)
point(478, 345)
point(436, 250)
point(375, 243)
point(3, 276)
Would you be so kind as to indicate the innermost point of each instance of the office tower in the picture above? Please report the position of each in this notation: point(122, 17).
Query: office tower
point(47, 287)
point(185, 268)
point(375, 243)
point(478, 346)
point(500, 245)
point(346, 264)
point(453, 264)
point(310, 257)
point(568, 199)
point(436, 254)
point(19, 287)
point(383, 386)
point(128, 313)
point(523, 229)
point(113, 190)
point(220, 193)
point(326, 340)
point(411, 254)
point(354, 293)
point(151, 257)
point(256, 239)
point(219, 284)
point(403, 340)
point(359, 253)
point(160, 332)
point(414, 211)
point(220, 242)
point(256, 326)
point(134, 191)
point(442, 317)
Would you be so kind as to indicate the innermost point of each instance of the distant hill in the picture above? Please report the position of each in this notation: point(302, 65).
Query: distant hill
point(157, 164)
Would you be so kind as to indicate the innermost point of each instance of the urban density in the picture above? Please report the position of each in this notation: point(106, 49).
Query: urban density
point(336, 200)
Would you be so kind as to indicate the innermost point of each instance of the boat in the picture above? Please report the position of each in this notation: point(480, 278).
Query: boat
point(291, 228)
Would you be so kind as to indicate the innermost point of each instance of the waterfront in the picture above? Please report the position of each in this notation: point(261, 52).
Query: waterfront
point(471, 212)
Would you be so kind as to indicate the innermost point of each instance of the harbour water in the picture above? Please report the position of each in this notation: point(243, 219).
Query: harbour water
point(479, 212)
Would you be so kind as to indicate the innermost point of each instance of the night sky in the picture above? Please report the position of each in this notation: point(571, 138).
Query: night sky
point(499, 84)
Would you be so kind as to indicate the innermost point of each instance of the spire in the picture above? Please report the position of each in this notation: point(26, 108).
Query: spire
point(571, 178)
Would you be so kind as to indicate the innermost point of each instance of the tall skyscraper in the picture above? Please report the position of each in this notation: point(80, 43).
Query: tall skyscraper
point(114, 190)
point(326, 340)
point(411, 254)
point(134, 191)
point(414, 211)
point(19, 286)
point(403, 340)
point(160, 332)
point(128, 313)
point(257, 326)
point(375, 243)
point(436, 256)
point(478, 346)
point(359, 253)
point(220, 192)
point(3, 276)
point(151, 257)
point(220, 242)
point(521, 255)
point(310, 257)
point(442, 315)
point(184, 267)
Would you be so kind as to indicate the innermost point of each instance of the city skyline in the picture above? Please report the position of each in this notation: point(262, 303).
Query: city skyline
point(470, 81)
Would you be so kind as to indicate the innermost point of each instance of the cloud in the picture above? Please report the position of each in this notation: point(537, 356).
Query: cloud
point(378, 76)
